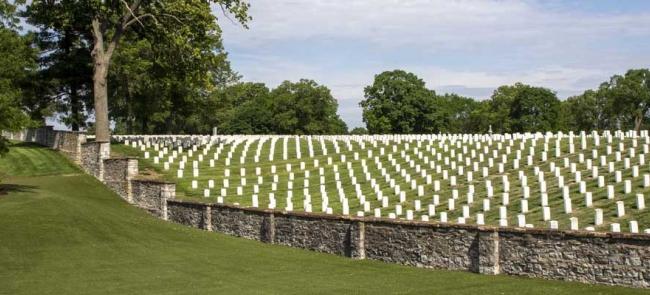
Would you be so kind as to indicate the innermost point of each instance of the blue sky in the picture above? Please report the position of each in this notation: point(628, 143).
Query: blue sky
point(466, 47)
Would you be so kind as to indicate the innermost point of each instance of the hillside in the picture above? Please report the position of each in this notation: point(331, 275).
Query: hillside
point(63, 232)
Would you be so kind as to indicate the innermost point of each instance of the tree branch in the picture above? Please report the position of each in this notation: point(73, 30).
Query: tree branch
point(138, 18)
point(120, 27)
point(174, 17)
point(98, 37)
point(223, 9)
point(126, 21)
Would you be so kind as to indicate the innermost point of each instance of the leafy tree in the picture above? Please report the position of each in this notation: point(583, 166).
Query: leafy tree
point(524, 108)
point(244, 108)
point(629, 97)
point(17, 65)
point(305, 107)
point(163, 89)
point(399, 102)
point(588, 111)
point(65, 78)
point(108, 22)
point(453, 112)
point(8, 14)
point(501, 103)
point(479, 120)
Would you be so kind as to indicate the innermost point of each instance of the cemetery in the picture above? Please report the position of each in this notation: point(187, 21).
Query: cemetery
point(330, 147)
point(575, 181)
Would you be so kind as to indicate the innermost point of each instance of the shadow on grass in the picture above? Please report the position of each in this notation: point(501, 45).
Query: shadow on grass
point(5, 189)
point(20, 144)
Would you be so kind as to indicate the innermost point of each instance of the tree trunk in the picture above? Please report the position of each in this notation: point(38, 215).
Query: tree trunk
point(100, 87)
point(638, 120)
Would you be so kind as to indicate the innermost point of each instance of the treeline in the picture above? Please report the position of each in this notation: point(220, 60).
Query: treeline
point(302, 107)
point(168, 77)
point(164, 77)
point(399, 102)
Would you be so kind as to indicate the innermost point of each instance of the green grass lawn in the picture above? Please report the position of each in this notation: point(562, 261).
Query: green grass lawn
point(62, 232)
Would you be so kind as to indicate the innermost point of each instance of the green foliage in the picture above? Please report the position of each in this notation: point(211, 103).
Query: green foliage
point(8, 13)
point(524, 108)
point(305, 107)
point(454, 112)
point(243, 108)
point(629, 97)
point(65, 80)
point(399, 102)
point(588, 111)
point(187, 30)
point(17, 65)
point(160, 88)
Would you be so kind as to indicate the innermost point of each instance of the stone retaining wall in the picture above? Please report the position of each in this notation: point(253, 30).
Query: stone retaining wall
point(607, 258)
point(152, 196)
point(589, 257)
point(250, 224)
point(118, 173)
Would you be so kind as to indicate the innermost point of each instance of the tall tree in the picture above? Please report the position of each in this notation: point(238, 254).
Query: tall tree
point(587, 111)
point(399, 102)
point(524, 108)
point(453, 112)
point(630, 97)
point(109, 21)
point(305, 107)
point(17, 65)
point(243, 108)
point(162, 87)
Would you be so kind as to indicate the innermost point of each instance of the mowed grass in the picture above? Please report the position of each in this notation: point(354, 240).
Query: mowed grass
point(26, 159)
point(65, 233)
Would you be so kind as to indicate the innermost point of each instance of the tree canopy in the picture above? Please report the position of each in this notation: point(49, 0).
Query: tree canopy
point(184, 25)
point(17, 67)
point(398, 102)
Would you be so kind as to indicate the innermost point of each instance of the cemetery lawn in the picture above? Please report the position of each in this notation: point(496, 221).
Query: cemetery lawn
point(63, 232)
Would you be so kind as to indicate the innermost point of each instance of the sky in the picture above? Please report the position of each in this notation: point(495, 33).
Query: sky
point(466, 47)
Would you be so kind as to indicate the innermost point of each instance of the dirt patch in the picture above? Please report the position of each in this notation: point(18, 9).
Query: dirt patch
point(150, 174)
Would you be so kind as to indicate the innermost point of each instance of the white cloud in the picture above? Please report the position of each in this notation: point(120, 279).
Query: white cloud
point(439, 23)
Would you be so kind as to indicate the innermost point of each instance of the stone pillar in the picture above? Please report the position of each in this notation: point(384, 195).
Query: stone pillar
point(268, 232)
point(488, 252)
point(168, 191)
point(207, 218)
point(361, 240)
point(104, 153)
point(131, 172)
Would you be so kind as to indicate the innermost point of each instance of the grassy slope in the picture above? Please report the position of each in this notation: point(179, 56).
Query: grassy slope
point(68, 234)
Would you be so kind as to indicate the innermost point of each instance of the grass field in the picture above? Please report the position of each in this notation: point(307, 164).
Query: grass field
point(63, 232)
point(533, 216)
